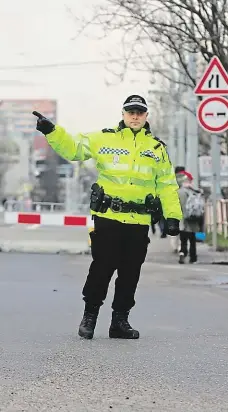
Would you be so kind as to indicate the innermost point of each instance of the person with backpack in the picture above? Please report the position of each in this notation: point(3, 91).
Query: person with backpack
point(192, 204)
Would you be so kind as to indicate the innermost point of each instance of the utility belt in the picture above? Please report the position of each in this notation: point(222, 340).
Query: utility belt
point(100, 202)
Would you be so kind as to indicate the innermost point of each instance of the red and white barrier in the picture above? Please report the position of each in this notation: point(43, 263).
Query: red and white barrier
point(47, 219)
point(61, 218)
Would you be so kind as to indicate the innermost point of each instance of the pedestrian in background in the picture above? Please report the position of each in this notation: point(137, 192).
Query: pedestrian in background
point(192, 204)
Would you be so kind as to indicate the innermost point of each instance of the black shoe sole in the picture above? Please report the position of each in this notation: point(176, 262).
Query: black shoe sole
point(118, 335)
point(85, 335)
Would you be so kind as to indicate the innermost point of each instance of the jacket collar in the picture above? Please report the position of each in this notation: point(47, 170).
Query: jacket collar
point(123, 126)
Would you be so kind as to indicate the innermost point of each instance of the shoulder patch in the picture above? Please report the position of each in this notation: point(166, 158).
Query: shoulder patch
point(160, 142)
point(164, 148)
point(108, 130)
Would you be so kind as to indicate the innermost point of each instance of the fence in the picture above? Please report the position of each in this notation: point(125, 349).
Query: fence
point(222, 217)
point(29, 206)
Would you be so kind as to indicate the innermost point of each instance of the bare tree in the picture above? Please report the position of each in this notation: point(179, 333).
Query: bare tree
point(158, 36)
point(176, 27)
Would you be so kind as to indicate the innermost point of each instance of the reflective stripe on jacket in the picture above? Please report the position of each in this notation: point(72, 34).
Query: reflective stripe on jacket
point(130, 166)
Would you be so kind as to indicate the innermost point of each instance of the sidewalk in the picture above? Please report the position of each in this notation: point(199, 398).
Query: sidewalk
point(38, 239)
point(160, 251)
point(53, 247)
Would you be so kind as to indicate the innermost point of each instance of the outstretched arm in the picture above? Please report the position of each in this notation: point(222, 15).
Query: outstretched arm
point(70, 147)
point(67, 146)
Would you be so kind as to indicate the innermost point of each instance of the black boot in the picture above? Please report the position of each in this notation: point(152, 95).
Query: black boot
point(181, 258)
point(88, 323)
point(120, 327)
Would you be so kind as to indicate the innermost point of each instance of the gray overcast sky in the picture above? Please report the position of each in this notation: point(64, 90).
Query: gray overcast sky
point(40, 32)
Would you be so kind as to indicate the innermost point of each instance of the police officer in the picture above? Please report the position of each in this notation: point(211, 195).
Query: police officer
point(133, 168)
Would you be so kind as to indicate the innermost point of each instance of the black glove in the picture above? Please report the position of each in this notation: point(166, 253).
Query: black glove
point(44, 125)
point(173, 226)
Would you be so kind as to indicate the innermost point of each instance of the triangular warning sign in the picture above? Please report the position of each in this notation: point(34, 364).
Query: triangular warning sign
point(214, 80)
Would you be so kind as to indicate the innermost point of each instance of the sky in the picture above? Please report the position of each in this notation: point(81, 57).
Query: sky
point(43, 32)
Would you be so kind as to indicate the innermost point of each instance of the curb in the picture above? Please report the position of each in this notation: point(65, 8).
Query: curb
point(44, 248)
point(223, 262)
point(220, 261)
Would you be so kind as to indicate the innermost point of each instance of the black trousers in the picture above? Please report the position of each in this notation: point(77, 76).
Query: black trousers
point(163, 226)
point(184, 238)
point(115, 246)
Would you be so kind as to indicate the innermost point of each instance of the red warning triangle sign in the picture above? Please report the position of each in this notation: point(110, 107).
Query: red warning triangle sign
point(214, 80)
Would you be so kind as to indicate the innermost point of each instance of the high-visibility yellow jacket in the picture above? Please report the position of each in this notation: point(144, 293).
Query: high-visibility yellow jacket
point(130, 166)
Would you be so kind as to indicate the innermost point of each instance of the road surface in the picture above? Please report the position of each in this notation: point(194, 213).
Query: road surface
point(178, 364)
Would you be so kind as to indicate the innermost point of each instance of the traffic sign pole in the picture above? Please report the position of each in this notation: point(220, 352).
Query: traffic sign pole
point(212, 116)
point(216, 191)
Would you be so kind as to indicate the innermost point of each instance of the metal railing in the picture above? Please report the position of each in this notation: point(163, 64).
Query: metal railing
point(38, 207)
point(222, 217)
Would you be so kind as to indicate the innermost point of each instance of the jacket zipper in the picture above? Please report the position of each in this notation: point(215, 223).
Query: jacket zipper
point(133, 161)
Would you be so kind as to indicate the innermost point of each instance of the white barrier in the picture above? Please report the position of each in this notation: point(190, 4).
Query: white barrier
point(46, 214)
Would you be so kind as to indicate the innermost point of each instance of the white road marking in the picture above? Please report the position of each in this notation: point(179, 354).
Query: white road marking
point(32, 227)
point(24, 227)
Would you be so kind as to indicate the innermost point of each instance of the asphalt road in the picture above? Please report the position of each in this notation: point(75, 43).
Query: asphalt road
point(179, 363)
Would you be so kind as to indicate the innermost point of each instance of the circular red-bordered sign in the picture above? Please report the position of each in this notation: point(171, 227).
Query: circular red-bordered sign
point(212, 114)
